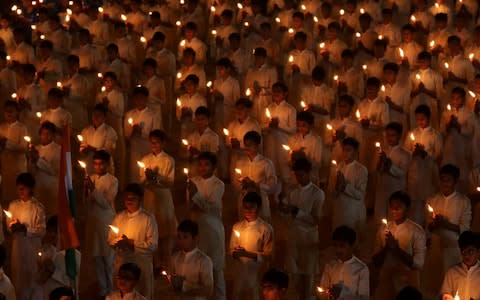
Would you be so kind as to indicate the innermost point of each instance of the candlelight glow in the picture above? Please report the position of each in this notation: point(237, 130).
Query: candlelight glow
point(104, 89)
point(179, 103)
point(430, 209)
point(185, 142)
point(248, 92)
point(377, 144)
point(358, 35)
point(179, 75)
point(291, 31)
point(42, 37)
point(214, 32)
point(384, 221)
point(185, 171)
point(446, 65)
point(277, 19)
point(164, 273)
point(213, 9)
point(246, 24)
point(315, 19)
point(322, 45)
point(402, 53)
point(238, 171)
point(290, 59)
point(334, 162)
point(303, 104)
point(412, 136)
point(472, 94)
point(432, 43)
point(14, 95)
point(178, 23)
point(329, 127)
point(364, 67)
point(80, 138)
point(380, 37)
point(141, 164)
point(335, 77)
point(99, 75)
point(471, 56)
point(449, 107)
point(27, 139)
point(412, 18)
point(478, 188)
point(239, 5)
point(209, 84)
point(143, 39)
point(357, 114)
point(123, 17)
point(237, 233)
point(114, 229)
point(7, 213)
point(303, 7)
point(268, 114)
point(341, 12)
point(418, 76)
point(382, 88)
point(320, 289)
point(362, 11)
point(130, 121)
point(39, 254)
point(38, 114)
point(457, 297)
point(100, 10)
point(225, 131)
point(82, 164)
point(183, 43)
point(59, 84)
point(286, 147)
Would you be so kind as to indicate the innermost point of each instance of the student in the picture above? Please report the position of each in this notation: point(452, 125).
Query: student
point(190, 67)
point(127, 279)
point(389, 31)
point(12, 150)
point(396, 94)
point(226, 88)
point(377, 62)
point(55, 113)
point(350, 78)
point(119, 67)
point(346, 277)
point(301, 60)
point(409, 46)
point(27, 225)
point(251, 248)
point(155, 85)
point(137, 237)
point(425, 146)
point(101, 188)
point(49, 68)
point(462, 279)
point(452, 214)
point(255, 173)
point(268, 42)
point(44, 164)
point(460, 71)
point(191, 276)
point(350, 185)
point(157, 177)
point(274, 285)
point(392, 166)
point(305, 204)
point(192, 41)
point(6, 286)
point(203, 138)
point(188, 104)
point(206, 192)
point(399, 249)
point(334, 46)
point(440, 33)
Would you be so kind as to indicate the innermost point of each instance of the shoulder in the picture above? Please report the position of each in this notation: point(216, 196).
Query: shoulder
point(266, 226)
point(37, 204)
point(361, 167)
point(415, 228)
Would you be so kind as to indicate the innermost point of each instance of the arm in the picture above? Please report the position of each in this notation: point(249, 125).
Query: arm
point(357, 189)
point(270, 181)
point(401, 169)
point(38, 227)
point(212, 202)
point(106, 198)
point(150, 243)
point(205, 277)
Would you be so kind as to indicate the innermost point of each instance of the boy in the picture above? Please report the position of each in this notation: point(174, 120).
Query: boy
point(300, 60)
point(350, 78)
point(188, 103)
point(409, 46)
point(55, 113)
point(251, 246)
point(31, 98)
point(226, 88)
point(334, 46)
point(137, 237)
point(155, 85)
point(399, 249)
point(274, 285)
point(203, 139)
point(191, 41)
point(440, 34)
point(206, 192)
point(191, 268)
point(305, 204)
point(190, 67)
point(451, 215)
point(101, 188)
point(462, 279)
point(346, 276)
point(460, 71)
point(396, 94)
point(392, 166)
point(128, 277)
point(389, 31)
point(157, 176)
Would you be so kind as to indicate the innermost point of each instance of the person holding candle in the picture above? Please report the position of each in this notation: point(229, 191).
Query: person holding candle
point(440, 34)
point(305, 205)
point(126, 47)
point(301, 60)
point(8, 77)
point(155, 85)
point(333, 47)
point(345, 277)
point(251, 248)
point(119, 67)
point(206, 192)
point(270, 44)
point(399, 249)
point(192, 41)
point(389, 31)
point(55, 113)
point(137, 237)
point(274, 285)
point(27, 225)
point(89, 55)
point(409, 47)
point(203, 138)
point(241, 59)
point(227, 89)
point(376, 63)
point(461, 280)
point(192, 270)
point(101, 188)
point(23, 52)
point(350, 78)
point(157, 176)
point(190, 67)
point(128, 277)
point(365, 38)
point(452, 214)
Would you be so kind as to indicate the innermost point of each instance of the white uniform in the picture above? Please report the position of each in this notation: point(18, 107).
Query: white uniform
point(207, 141)
point(462, 281)
point(130, 296)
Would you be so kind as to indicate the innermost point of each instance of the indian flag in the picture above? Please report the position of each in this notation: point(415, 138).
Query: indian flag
point(66, 207)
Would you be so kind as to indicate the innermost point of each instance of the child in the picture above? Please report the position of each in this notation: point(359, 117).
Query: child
point(12, 147)
point(157, 176)
point(101, 189)
point(27, 225)
point(117, 66)
point(240, 58)
point(191, 41)
point(255, 173)
point(350, 78)
point(350, 186)
point(44, 164)
point(300, 60)
point(251, 245)
point(191, 268)
point(305, 204)
point(137, 238)
point(190, 67)
point(226, 88)
point(55, 113)
point(188, 103)
point(206, 192)
point(306, 144)
point(347, 276)
point(377, 62)
point(409, 46)
point(451, 215)
point(389, 31)
point(203, 139)
point(399, 250)
point(461, 279)
point(166, 64)
point(274, 285)
point(392, 167)
point(334, 46)
point(396, 94)
point(127, 279)
point(49, 68)
point(138, 124)
point(6, 286)
point(440, 34)
point(460, 71)
point(155, 85)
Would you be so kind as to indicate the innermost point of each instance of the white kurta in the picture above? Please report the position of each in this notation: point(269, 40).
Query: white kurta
point(58, 116)
point(432, 81)
point(130, 296)
point(462, 281)
point(206, 141)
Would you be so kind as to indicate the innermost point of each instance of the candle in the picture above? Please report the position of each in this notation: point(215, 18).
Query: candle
point(143, 39)
point(471, 56)
point(379, 146)
point(412, 137)
point(164, 273)
point(141, 165)
point(213, 9)
point(291, 31)
point(14, 96)
point(38, 114)
point(80, 138)
point(179, 103)
point(286, 147)
point(364, 67)
point(335, 77)
point(209, 84)
point(277, 19)
point(329, 127)
point(59, 84)
point(114, 229)
point(239, 5)
point(401, 52)
point(99, 75)
point(315, 19)
point(358, 35)
point(362, 10)
point(430, 210)
point(179, 75)
point(383, 88)
point(103, 89)
point(246, 24)
point(385, 222)
point(341, 12)
point(303, 104)
point(303, 7)
point(39, 254)
point(130, 121)
point(226, 132)
point(478, 188)
point(380, 37)
point(42, 37)
point(248, 92)
point(186, 171)
point(83, 165)
point(178, 23)
point(237, 233)
point(100, 10)
point(437, 5)
point(27, 139)
point(238, 171)
point(183, 43)
point(290, 59)
point(268, 114)
point(123, 17)
point(357, 114)
point(432, 43)
point(417, 76)
point(34, 27)
point(446, 65)
point(457, 297)
point(322, 45)
point(8, 214)
point(449, 107)
point(413, 19)
point(320, 289)
point(185, 142)
point(214, 32)
point(472, 94)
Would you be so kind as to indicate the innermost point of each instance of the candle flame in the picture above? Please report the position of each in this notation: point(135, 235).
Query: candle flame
point(303, 7)
point(357, 114)
point(27, 139)
point(402, 53)
point(362, 11)
point(457, 297)
point(277, 19)
point(246, 24)
point(377, 144)
point(412, 136)
point(364, 67)
point(412, 18)
point(315, 19)
point(179, 75)
point(183, 43)
point(472, 94)
point(384, 221)
point(303, 104)
point(225, 131)
point(185, 171)
point(449, 107)
point(143, 39)
point(322, 45)
point(39, 254)
point(7, 213)
point(209, 84)
point(358, 34)
point(123, 17)
point(286, 147)
point(141, 164)
point(178, 23)
point(342, 12)
point(14, 95)
point(179, 103)
point(382, 88)
point(99, 75)
point(290, 59)
point(320, 289)
point(79, 137)
point(380, 37)
point(104, 89)
point(100, 10)
point(417, 76)
point(164, 273)
point(432, 43)
point(59, 84)
point(268, 114)
point(214, 32)
point(446, 65)
point(185, 142)
point(430, 209)
point(237, 233)
point(213, 9)
point(82, 164)
point(248, 92)
point(334, 162)
point(114, 229)
point(130, 121)
point(239, 5)
point(238, 171)
point(38, 114)
point(335, 77)
point(291, 31)
point(471, 56)
point(478, 188)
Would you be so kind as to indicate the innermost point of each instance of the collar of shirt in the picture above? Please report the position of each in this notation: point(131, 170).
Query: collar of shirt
point(134, 214)
point(257, 157)
point(475, 266)
point(253, 223)
point(190, 253)
point(306, 187)
point(451, 196)
point(49, 145)
point(99, 127)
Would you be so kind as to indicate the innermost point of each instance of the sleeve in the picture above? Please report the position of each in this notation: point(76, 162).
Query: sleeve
point(111, 140)
point(357, 189)
point(38, 226)
point(326, 280)
point(267, 248)
point(318, 151)
point(170, 174)
point(51, 168)
point(364, 284)
point(291, 121)
point(269, 183)
point(150, 243)
point(419, 249)
point(448, 285)
point(466, 216)
point(400, 169)
point(106, 198)
point(467, 128)
point(212, 202)
point(234, 241)
point(204, 287)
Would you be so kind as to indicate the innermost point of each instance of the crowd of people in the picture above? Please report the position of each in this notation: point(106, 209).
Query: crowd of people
point(322, 149)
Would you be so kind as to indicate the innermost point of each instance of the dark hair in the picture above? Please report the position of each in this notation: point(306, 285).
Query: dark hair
point(158, 36)
point(298, 14)
point(55, 93)
point(451, 170)
point(460, 91)
point(300, 36)
point(11, 103)
point(280, 85)
point(347, 98)
point(347, 53)
point(402, 197)
point(159, 134)
point(234, 37)
point(101, 155)
point(46, 44)
point(192, 78)
point(424, 110)
point(469, 238)
point(224, 62)
point(349, 141)
point(318, 73)
point(409, 293)
point(110, 75)
point(112, 47)
point(188, 226)
point(277, 278)
point(424, 55)
point(397, 127)
point(52, 224)
point(252, 136)
point(345, 234)
point(302, 164)
point(333, 25)
point(131, 268)
point(60, 292)
point(441, 17)
point(373, 81)
point(135, 188)
point(380, 42)
point(211, 157)
point(150, 62)
point(48, 126)
point(391, 67)
point(365, 17)
point(73, 59)
point(306, 116)
point(387, 11)
point(140, 90)
point(254, 198)
point(191, 26)
point(227, 13)
point(189, 51)
point(245, 102)
point(408, 27)
point(26, 179)
point(260, 52)
point(99, 107)
point(202, 111)
point(29, 68)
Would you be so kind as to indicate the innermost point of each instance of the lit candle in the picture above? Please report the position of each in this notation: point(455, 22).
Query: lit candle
point(478, 188)
point(123, 17)
point(358, 35)
point(237, 233)
point(432, 43)
point(179, 103)
point(320, 289)
point(38, 114)
point(417, 76)
point(303, 104)
point(322, 45)
point(383, 88)
point(380, 37)
point(277, 19)
point(226, 132)
point(42, 37)
point(39, 254)
point(449, 107)
point(114, 229)
point(246, 24)
point(209, 84)
point(214, 32)
point(80, 138)
point(412, 137)
point(213, 9)
point(471, 56)
point(329, 127)
point(430, 210)
point(290, 59)
point(357, 114)
point(59, 84)
point(100, 10)
point(315, 19)
point(83, 165)
point(385, 222)
point(178, 23)
point(141, 165)
point(164, 273)
point(8, 214)
point(286, 147)
point(437, 5)
point(130, 121)
point(183, 43)
point(34, 27)
point(378, 146)
point(364, 67)
point(472, 94)
point(99, 75)
point(179, 75)
point(362, 10)
point(28, 140)
point(335, 78)
point(185, 142)
point(104, 89)
point(239, 5)
point(186, 171)
point(413, 19)
point(335, 165)
point(446, 65)
point(401, 52)
point(341, 12)
point(268, 114)
point(248, 92)
point(303, 7)
point(14, 96)
point(143, 39)
point(291, 31)
point(457, 297)
point(238, 171)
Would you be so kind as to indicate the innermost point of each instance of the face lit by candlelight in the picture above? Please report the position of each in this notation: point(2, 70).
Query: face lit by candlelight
point(303, 177)
point(303, 127)
point(343, 250)
point(348, 153)
point(156, 145)
point(185, 241)
point(392, 137)
point(46, 136)
point(24, 192)
point(125, 281)
point(457, 100)
point(271, 291)
point(398, 210)
point(205, 168)
point(422, 120)
point(447, 184)
point(250, 211)
point(99, 166)
point(132, 202)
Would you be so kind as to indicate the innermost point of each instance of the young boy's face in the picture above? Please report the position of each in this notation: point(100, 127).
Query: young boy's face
point(125, 282)
point(222, 71)
point(372, 91)
point(250, 211)
point(398, 210)
point(205, 168)
point(447, 184)
point(407, 36)
point(470, 255)
point(155, 145)
point(422, 120)
point(343, 250)
point(241, 112)
point(201, 121)
point(299, 44)
point(272, 292)
point(109, 83)
point(302, 176)
point(457, 100)
point(278, 95)
point(185, 241)
point(132, 202)
point(53, 102)
point(190, 87)
point(303, 127)
point(188, 60)
point(98, 118)
point(344, 109)
point(148, 70)
point(389, 76)
point(10, 114)
point(23, 191)
point(46, 137)
point(331, 34)
point(348, 153)
point(392, 137)
point(100, 166)
point(424, 63)
point(250, 147)
point(189, 34)
point(140, 101)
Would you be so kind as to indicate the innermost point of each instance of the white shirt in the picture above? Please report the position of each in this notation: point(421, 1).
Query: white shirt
point(197, 70)
point(89, 56)
point(309, 200)
point(6, 286)
point(34, 95)
point(192, 101)
point(208, 140)
point(197, 45)
point(255, 236)
point(146, 119)
point(31, 214)
point(260, 170)
point(459, 279)
point(156, 93)
point(429, 138)
point(238, 130)
point(116, 101)
point(209, 195)
point(103, 137)
point(230, 90)
point(130, 296)
point(106, 188)
point(310, 144)
point(49, 158)
point(162, 163)
point(24, 54)
point(376, 110)
point(303, 59)
point(286, 115)
point(58, 116)
point(14, 134)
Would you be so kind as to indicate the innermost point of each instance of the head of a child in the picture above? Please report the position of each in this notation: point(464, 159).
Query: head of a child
point(300, 40)
point(349, 149)
point(235, 41)
point(149, 67)
point(112, 52)
point(390, 72)
point(469, 244)
point(61, 293)
point(387, 15)
point(393, 133)
point(266, 30)
point(3, 59)
point(422, 116)
point(424, 60)
point(347, 58)
point(133, 197)
point(251, 204)
point(140, 97)
point(158, 40)
point(25, 184)
point(10, 111)
point(305, 121)
point(441, 21)
point(260, 57)
point(188, 57)
point(408, 32)
point(373, 87)
point(399, 204)
point(343, 238)
point(128, 277)
point(224, 67)
point(242, 108)
point(332, 31)
point(345, 105)
point(326, 10)
point(301, 168)
point(379, 48)
point(83, 36)
point(226, 17)
point(73, 64)
point(449, 175)
point(318, 76)
point(190, 30)
point(365, 21)
point(458, 97)
point(109, 80)
point(18, 35)
point(187, 235)
point(99, 114)
point(409, 293)
point(274, 285)
point(202, 117)
point(252, 141)
point(51, 232)
point(279, 92)
point(350, 5)
point(120, 30)
point(454, 45)
point(47, 132)
point(45, 49)
point(54, 98)
point(28, 73)
point(101, 162)
point(207, 161)
point(157, 139)
point(191, 84)
point(297, 20)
